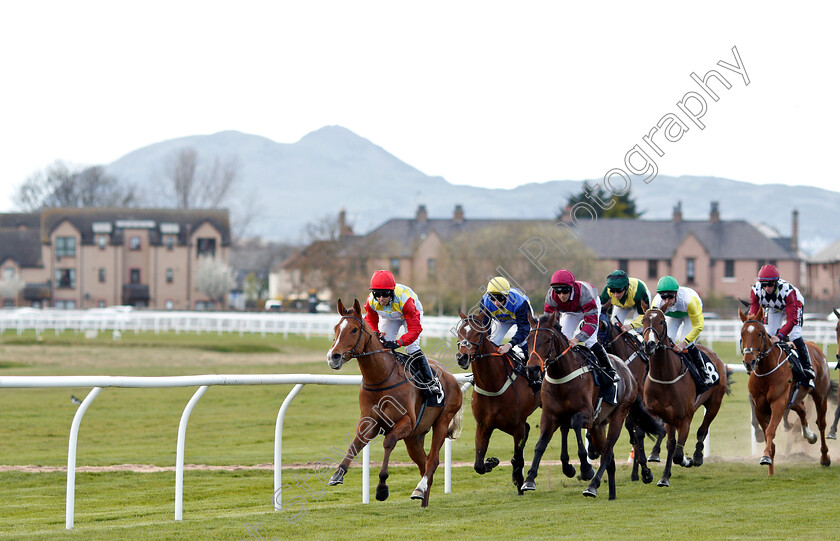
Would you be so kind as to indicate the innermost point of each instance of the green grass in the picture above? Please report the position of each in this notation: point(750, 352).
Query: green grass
point(729, 497)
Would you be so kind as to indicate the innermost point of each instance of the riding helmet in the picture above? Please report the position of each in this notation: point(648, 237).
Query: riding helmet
point(667, 283)
point(563, 276)
point(768, 273)
point(618, 280)
point(499, 285)
point(383, 279)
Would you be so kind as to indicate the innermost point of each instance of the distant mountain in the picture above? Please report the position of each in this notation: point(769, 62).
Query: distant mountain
point(285, 186)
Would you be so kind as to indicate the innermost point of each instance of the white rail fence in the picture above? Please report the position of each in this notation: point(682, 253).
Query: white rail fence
point(204, 382)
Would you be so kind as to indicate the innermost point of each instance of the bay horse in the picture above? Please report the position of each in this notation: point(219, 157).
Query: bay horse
point(569, 398)
point(832, 434)
point(670, 395)
point(502, 399)
point(391, 408)
point(624, 346)
point(772, 389)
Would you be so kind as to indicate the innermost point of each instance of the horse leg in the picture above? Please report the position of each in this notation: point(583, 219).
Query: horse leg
point(809, 436)
point(665, 481)
point(424, 487)
point(591, 448)
point(777, 410)
point(568, 469)
point(822, 406)
point(679, 449)
point(631, 432)
point(832, 434)
point(358, 444)
point(586, 471)
point(712, 407)
point(520, 436)
point(548, 429)
point(655, 450)
point(482, 439)
point(640, 458)
point(606, 445)
point(400, 431)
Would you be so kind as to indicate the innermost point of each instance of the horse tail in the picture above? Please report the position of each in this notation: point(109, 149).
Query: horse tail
point(729, 373)
point(456, 424)
point(644, 420)
point(832, 391)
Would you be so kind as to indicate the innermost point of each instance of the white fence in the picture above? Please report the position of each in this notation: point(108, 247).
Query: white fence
point(204, 382)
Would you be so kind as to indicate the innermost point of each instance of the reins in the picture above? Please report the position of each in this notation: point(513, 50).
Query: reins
point(763, 352)
point(353, 354)
point(548, 360)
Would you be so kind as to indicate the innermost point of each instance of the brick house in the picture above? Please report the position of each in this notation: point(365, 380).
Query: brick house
point(824, 274)
point(94, 257)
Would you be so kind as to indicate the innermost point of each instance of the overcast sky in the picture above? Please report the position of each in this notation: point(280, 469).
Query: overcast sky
point(482, 93)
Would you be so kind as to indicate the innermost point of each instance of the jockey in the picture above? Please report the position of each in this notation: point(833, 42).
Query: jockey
point(685, 307)
point(626, 295)
point(578, 301)
point(781, 300)
point(391, 306)
point(509, 306)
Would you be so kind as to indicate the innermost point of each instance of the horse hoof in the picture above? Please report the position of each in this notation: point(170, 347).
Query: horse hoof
point(382, 493)
point(528, 485)
point(569, 470)
point(490, 463)
point(586, 475)
point(590, 492)
point(827, 462)
point(634, 476)
point(653, 457)
point(337, 478)
point(698, 459)
point(812, 439)
point(831, 436)
point(663, 483)
point(417, 494)
point(765, 461)
point(647, 476)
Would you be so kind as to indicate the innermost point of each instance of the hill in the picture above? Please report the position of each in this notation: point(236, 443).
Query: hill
point(284, 186)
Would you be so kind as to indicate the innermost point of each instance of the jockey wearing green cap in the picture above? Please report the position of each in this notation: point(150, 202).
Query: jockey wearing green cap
point(626, 295)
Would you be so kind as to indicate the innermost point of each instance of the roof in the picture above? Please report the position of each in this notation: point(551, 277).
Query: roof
point(829, 254)
point(84, 218)
point(614, 238)
point(23, 246)
point(14, 220)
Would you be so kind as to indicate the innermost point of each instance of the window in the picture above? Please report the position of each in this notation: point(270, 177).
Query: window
point(8, 273)
point(729, 268)
point(169, 276)
point(65, 305)
point(170, 242)
point(689, 270)
point(101, 241)
point(395, 266)
point(8, 303)
point(431, 267)
point(65, 246)
point(65, 278)
point(653, 270)
point(134, 276)
point(134, 243)
point(622, 265)
point(101, 275)
point(205, 247)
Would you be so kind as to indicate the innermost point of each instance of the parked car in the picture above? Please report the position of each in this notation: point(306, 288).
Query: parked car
point(273, 305)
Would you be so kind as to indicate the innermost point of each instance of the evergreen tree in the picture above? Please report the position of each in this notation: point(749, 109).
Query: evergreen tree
point(624, 205)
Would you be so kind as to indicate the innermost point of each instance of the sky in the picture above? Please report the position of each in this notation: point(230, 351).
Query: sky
point(492, 94)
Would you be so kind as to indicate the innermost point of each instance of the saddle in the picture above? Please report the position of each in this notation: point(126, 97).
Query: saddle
point(792, 357)
point(696, 375)
point(595, 366)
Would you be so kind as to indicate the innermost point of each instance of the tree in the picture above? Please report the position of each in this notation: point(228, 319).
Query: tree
point(596, 198)
point(214, 278)
point(60, 186)
point(11, 287)
point(196, 185)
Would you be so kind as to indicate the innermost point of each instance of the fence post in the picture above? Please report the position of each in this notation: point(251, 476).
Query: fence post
point(278, 447)
point(179, 452)
point(71, 456)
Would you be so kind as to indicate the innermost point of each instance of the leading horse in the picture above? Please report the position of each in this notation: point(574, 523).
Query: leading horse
point(570, 400)
point(502, 399)
point(772, 391)
point(391, 408)
point(670, 395)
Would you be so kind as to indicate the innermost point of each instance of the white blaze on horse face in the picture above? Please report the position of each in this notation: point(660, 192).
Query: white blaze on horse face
point(341, 327)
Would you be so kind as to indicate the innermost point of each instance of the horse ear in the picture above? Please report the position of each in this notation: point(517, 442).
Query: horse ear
point(836, 313)
point(340, 306)
point(356, 307)
point(645, 306)
point(531, 320)
point(760, 314)
point(551, 318)
point(461, 314)
point(741, 314)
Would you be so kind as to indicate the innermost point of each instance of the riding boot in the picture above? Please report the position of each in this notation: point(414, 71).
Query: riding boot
point(426, 380)
point(805, 361)
point(610, 391)
point(696, 358)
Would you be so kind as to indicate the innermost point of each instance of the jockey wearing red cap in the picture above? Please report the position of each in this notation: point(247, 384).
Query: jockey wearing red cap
point(782, 301)
point(578, 301)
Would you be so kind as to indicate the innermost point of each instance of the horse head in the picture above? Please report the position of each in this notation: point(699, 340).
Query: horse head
point(545, 343)
point(351, 336)
point(755, 343)
point(472, 332)
point(654, 330)
point(837, 331)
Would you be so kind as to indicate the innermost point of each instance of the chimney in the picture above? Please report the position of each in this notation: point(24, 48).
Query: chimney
point(678, 212)
point(458, 215)
point(422, 215)
point(794, 232)
point(714, 214)
point(344, 230)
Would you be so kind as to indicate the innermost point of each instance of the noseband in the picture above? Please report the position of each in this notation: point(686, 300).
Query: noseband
point(761, 353)
point(352, 352)
point(549, 358)
point(474, 355)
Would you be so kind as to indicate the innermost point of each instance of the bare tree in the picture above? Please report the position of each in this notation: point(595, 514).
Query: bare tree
point(214, 278)
point(60, 186)
point(196, 185)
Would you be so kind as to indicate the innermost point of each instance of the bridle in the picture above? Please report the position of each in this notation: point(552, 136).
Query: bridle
point(352, 353)
point(474, 354)
point(549, 358)
point(761, 353)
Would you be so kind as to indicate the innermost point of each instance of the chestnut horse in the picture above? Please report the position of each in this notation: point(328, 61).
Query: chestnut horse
point(569, 398)
point(670, 395)
point(391, 408)
point(771, 389)
point(501, 398)
point(624, 346)
point(832, 434)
